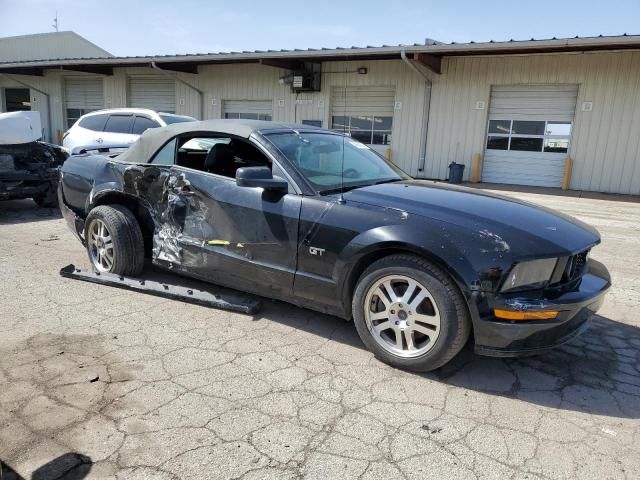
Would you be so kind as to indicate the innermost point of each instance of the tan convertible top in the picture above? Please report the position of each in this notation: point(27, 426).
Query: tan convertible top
point(154, 138)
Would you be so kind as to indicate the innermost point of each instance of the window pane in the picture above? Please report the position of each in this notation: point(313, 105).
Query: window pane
point(231, 115)
point(526, 127)
point(166, 154)
point(248, 116)
point(382, 123)
point(340, 123)
point(558, 128)
point(118, 124)
point(500, 126)
point(140, 124)
point(526, 144)
point(264, 116)
point(381, 138)
point(94, 122)
point(556, 145)
point(498, 143)
point(364, 137)
point(361, 123)
point(313, 123)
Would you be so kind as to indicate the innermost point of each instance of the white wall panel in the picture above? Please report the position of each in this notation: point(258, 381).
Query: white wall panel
point(605, 142)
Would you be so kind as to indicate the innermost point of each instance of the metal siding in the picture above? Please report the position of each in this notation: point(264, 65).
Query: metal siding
point(605, 142)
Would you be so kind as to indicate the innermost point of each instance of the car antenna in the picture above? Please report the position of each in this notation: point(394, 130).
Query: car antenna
point(344, 117)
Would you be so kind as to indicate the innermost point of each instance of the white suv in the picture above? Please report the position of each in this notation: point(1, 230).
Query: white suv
point(116, 127)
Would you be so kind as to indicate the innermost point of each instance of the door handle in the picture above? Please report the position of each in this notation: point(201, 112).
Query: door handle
point(99, 140)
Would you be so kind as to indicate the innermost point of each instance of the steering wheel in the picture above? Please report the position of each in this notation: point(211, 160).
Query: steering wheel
point(351, 173)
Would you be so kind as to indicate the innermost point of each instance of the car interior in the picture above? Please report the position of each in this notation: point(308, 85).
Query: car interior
point(218, 155)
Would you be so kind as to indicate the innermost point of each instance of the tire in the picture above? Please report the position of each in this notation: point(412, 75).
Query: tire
point(430, 318)
point(124, 253)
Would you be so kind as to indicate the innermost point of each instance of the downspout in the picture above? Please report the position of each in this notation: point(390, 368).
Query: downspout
point(187, 84)
point(427, 108)
point(41, 92)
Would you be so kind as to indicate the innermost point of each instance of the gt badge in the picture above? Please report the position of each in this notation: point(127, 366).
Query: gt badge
point(316, 251)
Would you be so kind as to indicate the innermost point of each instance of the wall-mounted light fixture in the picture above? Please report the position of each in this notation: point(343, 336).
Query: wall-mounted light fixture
point(363, 70)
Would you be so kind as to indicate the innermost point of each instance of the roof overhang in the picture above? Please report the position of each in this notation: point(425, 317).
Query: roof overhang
point(429, 55)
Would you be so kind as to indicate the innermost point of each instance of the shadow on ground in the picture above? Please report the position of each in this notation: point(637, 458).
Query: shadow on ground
point(597, 373)
point(25, 211)
point(70, 466)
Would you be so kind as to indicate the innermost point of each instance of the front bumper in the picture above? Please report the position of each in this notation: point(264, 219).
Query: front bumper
point(501, 338)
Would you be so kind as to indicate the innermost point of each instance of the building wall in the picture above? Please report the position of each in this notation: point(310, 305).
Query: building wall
point(605, 141)
point(605, 144)
point(260, 82)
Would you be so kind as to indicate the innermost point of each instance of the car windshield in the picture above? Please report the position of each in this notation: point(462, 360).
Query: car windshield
point(319, 157)
point(169, 119)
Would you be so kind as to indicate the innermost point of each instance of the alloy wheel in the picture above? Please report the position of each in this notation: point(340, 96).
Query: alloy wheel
point(100, 246)
point(402, 316)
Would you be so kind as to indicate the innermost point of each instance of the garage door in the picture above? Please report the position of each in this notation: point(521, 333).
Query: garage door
point(528, 134)
point(249, 109)
point(154, 92)
point(366, 113)
point(82, 95)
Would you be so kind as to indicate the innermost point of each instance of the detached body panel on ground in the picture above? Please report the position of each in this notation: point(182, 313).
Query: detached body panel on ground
point(471, 256)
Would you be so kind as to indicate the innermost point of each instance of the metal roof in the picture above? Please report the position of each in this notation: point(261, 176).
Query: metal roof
point(46, 46)
point(271, 57)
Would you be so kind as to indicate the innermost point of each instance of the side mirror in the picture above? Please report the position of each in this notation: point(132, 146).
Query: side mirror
point(260, 177)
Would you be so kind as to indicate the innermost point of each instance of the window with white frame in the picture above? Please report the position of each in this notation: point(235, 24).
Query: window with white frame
point(369, 130)
point(529, 135)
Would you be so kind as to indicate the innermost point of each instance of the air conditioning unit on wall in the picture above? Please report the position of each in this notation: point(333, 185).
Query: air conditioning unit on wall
point(307, 79)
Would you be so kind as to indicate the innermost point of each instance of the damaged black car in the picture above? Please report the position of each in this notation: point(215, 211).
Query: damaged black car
point(317, 219)
point(29, 168)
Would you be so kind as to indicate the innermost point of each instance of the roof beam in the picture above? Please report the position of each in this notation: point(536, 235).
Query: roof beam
point(432, 62)
point(179, 67)
point(97, 69)
point(282, 63)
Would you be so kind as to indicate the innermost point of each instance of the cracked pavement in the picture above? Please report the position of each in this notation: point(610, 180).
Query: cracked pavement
point(184, 391)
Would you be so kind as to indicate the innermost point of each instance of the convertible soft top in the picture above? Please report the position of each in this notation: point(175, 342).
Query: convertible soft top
point(152, 139)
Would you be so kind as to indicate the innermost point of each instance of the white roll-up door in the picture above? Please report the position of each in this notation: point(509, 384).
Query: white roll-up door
point(528, 134)
point(156, 92)
point(365, 113)
point(248, 109)
point(362, 101)
point(82, 95)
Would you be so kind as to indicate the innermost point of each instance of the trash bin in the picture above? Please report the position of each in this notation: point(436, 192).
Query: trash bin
point(455, 172)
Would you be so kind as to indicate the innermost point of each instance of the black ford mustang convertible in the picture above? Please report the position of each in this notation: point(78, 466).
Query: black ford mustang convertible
point(319, 220)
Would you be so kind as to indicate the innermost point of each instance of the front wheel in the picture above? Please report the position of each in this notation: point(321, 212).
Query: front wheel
point(114, 240)
point(409, 313)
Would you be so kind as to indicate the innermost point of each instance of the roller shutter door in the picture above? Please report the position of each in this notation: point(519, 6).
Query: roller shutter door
point(154, 92)
point(82, 95)
point(528, 134)
point(366, 113)
point(362, 101)
point(249, 109)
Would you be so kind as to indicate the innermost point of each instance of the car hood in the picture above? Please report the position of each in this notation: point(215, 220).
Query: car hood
point(508, 223)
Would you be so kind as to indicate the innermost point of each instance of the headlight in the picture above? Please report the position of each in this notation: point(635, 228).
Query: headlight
point(530, 275)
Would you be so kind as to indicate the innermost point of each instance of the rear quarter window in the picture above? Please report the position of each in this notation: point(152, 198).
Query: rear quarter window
point(118, 124)
point(94, 122)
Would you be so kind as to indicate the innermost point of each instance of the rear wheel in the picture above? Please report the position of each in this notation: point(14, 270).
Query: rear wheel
point(409, 313)
point(114, 240)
